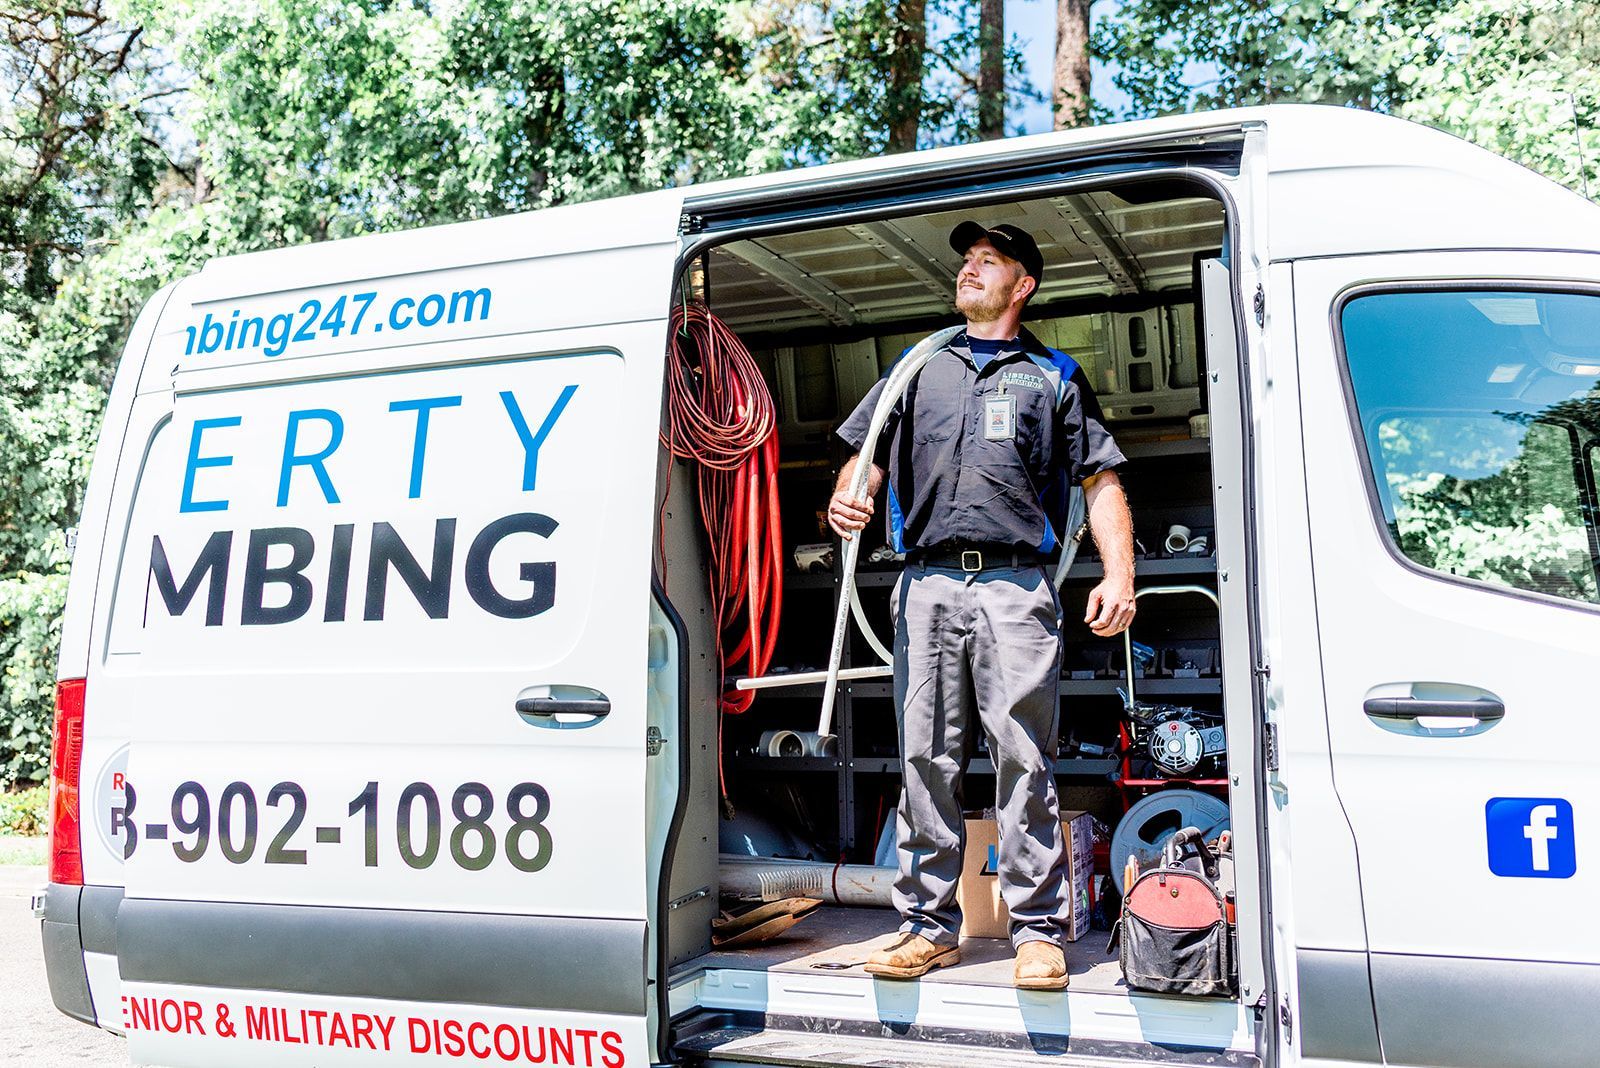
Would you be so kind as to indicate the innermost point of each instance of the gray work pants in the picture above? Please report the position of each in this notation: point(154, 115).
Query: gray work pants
point(985, 643)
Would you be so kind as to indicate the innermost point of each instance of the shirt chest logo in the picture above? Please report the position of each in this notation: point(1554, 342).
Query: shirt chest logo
point(1009, 379)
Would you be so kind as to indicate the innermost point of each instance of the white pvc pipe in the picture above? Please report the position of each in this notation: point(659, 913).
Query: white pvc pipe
point(806, 678)
point(764, 879)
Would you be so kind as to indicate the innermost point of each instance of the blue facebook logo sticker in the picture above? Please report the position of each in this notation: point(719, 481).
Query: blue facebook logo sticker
point(1531, 838)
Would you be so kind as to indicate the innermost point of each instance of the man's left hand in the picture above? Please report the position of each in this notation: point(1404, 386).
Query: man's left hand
point(1111, 608)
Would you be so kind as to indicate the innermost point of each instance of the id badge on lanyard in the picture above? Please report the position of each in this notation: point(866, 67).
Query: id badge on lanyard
point(1000, 417)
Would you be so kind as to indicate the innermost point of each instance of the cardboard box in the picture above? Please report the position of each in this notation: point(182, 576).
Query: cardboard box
point(983, 913)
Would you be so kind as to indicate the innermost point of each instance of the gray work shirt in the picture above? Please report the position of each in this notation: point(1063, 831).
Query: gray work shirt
point(953, 484)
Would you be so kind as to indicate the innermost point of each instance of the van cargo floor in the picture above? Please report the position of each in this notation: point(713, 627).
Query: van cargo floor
point(778, 1000)
point(835, 940)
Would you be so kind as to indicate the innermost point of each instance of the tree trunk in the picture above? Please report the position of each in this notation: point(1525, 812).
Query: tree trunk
point(543, 124)
point(1070, 96)
point(991, 70)
point(202, 178)
point(905, 74)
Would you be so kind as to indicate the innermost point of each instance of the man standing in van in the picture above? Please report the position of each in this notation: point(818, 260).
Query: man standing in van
point(991, 426)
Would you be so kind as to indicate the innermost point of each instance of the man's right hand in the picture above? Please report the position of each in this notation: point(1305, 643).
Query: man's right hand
point(847, 514)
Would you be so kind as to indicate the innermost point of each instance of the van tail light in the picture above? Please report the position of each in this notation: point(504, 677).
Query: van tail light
point(66, 758)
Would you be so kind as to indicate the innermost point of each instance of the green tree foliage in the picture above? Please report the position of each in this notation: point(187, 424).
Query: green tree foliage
point(322, 120)
point(1521, 77)
point(78, 149)
point(30, 606)
point(24, 812)
point(83, 120)
point(853, 87)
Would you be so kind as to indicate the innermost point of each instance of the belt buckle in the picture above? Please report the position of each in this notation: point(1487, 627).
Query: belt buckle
point(971, 560)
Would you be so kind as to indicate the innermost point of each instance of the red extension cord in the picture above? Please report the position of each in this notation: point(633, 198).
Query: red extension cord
point(720, 415)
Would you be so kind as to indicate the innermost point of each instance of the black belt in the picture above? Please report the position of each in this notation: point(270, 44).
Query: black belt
point(972, 558)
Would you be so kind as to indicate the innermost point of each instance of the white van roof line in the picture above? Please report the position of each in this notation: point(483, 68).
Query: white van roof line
point(1339, 181)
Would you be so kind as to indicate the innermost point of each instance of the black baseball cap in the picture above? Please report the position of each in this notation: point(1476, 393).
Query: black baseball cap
point(1010, 240)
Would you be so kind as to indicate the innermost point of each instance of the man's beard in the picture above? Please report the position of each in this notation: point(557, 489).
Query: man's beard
point(982, 306)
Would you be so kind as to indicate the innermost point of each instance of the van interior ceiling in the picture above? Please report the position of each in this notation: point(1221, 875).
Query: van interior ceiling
point(825, 312)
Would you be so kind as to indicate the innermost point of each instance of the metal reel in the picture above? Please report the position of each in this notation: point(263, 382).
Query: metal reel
point(1144, 830)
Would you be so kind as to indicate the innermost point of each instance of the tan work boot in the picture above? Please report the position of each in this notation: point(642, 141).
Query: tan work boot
point(910, 956)
point(1040, 966)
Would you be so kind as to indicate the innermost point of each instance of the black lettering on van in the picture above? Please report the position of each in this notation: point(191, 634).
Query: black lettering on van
point(257, 575)
point(213, 561)
point(333, 606)
point(431, 589)
point(542, 575)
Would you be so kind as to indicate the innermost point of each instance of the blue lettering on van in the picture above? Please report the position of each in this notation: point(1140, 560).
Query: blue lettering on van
point(195, 461)
point(387, 552)
point(345, 316)
point(423, 407)
point(315, 460)
point(532, 442)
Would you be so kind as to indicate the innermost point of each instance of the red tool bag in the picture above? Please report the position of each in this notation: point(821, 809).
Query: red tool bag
point(1177, 927)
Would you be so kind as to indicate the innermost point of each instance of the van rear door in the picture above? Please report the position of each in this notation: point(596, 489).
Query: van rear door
point(1451, 438)
point(373, 622)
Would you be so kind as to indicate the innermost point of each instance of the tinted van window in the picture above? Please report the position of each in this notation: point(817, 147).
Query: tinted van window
point(1480, 412)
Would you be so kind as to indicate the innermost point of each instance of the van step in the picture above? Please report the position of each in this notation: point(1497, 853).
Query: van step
point(759, 1046)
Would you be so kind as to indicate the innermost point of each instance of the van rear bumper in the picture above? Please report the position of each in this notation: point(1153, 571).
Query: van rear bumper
point(77, 919)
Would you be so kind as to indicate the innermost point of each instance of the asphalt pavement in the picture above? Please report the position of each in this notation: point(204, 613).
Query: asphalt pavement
point(33, 1033)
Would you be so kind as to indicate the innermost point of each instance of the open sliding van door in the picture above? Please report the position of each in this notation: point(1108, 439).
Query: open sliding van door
point(368, 678)
point(1451, 438)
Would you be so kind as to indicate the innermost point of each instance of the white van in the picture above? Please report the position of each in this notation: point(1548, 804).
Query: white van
point(387, 723)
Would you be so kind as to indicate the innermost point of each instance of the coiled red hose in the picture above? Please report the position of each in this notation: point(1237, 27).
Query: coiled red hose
point(721, 416)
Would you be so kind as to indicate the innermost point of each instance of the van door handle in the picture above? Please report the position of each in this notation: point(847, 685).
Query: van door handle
point(1479, 708)
point(562, 707)
point(552, 706)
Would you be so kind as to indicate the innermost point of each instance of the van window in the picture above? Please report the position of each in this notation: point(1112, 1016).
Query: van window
point(1480, 412)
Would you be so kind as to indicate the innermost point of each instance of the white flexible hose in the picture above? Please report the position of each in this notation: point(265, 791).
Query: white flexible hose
point(1076, 509)
point(898, 382)
point(1077, 515)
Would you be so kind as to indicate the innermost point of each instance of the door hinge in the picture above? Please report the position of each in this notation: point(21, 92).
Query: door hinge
point(1269, 739)
point(689, 898)
point(653, 740)
point(1261, 306)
